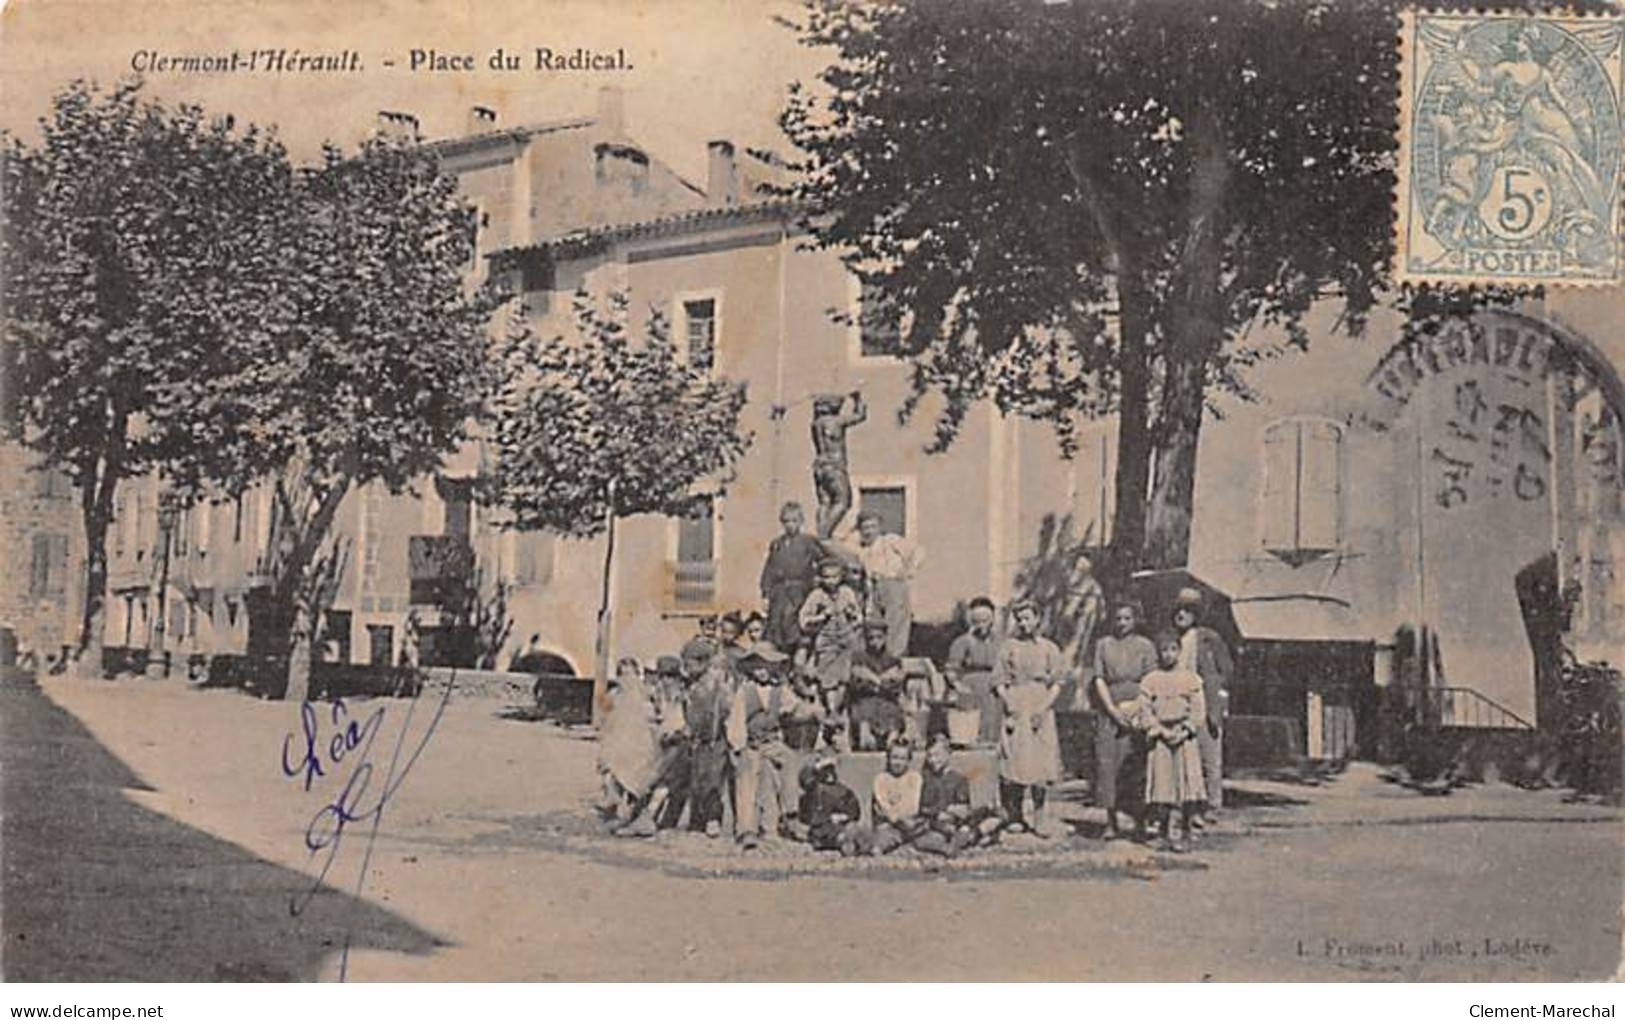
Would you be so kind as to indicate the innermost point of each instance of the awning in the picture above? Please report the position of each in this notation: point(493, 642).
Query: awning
point(1298, 618)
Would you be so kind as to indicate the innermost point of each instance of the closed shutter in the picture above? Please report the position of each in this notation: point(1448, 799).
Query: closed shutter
point(1319, 495)
point(1280, 483)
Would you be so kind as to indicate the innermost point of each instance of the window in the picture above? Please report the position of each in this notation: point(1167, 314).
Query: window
point(49, 566)
point(371, 537)
point(180, 532)
point(694, 573)
point(698, 327)
point(138, 524)
point(336, 636)
point(459, 509)
point(893, 497)
point(1302, 488)
point(237, 519)
point(204, 519)
point(121, 524)
point(50, 484)
point(380, 643)
point(533, 553)
point(878, 325)
point(478, 221)
point(891, 503)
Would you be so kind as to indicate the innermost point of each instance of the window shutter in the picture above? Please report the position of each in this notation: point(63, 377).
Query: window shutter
point(533, 557)
point(1319, 497)
point(39, 576)
point(1280, 469)
point(59, 565)
point(694, 575)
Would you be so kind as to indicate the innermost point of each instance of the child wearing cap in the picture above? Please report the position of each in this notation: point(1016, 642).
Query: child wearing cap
point(705, 709)
point(761, 757)
point(876, 691)
point(829, 816)
point(1170, 710)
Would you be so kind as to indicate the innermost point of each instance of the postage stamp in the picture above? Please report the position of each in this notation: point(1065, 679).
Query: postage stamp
point(1509, 154)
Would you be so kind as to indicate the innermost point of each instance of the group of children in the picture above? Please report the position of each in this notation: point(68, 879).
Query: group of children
point(740, 712)
point(702, 725)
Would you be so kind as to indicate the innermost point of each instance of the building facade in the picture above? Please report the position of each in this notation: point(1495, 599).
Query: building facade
point(1381, 516)
point(41, 555)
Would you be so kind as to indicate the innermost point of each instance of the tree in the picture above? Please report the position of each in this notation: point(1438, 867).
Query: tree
point(1089, 208)
point(596, 427)
point(372, 369)
point(137, 258)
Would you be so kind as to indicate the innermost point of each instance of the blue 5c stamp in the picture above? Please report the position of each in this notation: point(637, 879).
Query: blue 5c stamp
point(1509, 149)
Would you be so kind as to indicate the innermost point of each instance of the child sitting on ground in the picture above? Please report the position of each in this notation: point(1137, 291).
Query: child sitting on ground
point(953, 825)
point(1169, 709)
point(829, 815)
point(895, 808)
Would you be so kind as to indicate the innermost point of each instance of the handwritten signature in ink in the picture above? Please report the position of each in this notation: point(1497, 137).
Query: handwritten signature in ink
point(314, 754)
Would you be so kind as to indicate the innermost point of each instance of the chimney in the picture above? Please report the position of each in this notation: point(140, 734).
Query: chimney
point(612, 110)
point(722, 175)
point(398, 125)
point(481, 119)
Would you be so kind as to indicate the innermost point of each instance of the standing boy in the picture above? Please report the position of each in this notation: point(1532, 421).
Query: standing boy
point(787, 577)
point(761, 758)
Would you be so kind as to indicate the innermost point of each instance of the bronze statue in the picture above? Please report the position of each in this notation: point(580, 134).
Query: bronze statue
point(831, 480)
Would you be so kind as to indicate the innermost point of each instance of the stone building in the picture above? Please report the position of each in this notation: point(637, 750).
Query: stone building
point(41, 555)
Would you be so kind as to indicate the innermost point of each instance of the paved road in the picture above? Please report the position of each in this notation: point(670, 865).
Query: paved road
point(94, 886)
point(468, 880)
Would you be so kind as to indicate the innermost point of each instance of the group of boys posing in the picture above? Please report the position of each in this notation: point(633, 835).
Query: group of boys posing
point(680, 739)
point(735, 711)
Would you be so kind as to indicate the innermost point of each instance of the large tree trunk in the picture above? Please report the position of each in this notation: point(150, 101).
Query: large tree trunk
point(93, 619)
point(1168, 531)
point(99, 481)
point(1109, 215)
point(301, 586)
point(1192, 336)
point(1133, 436)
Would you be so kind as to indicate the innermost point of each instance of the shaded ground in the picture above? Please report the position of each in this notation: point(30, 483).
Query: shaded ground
point(486, 844)
point(98, 888)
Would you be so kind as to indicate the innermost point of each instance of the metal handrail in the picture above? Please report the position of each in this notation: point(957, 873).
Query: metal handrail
point(1466, 706)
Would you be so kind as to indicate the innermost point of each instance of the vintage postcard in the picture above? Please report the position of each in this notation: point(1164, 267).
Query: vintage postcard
point(616, 490)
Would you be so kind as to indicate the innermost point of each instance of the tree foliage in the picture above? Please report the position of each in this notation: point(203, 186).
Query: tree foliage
point(375, 370)
point(181, 300)
point(1095, 208)
point(139, 242)
point(601, 425)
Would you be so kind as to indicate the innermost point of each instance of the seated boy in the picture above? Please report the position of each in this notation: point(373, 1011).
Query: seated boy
point(895, 805)
point(945, 807)
point(830, 817)
point(876, 691)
